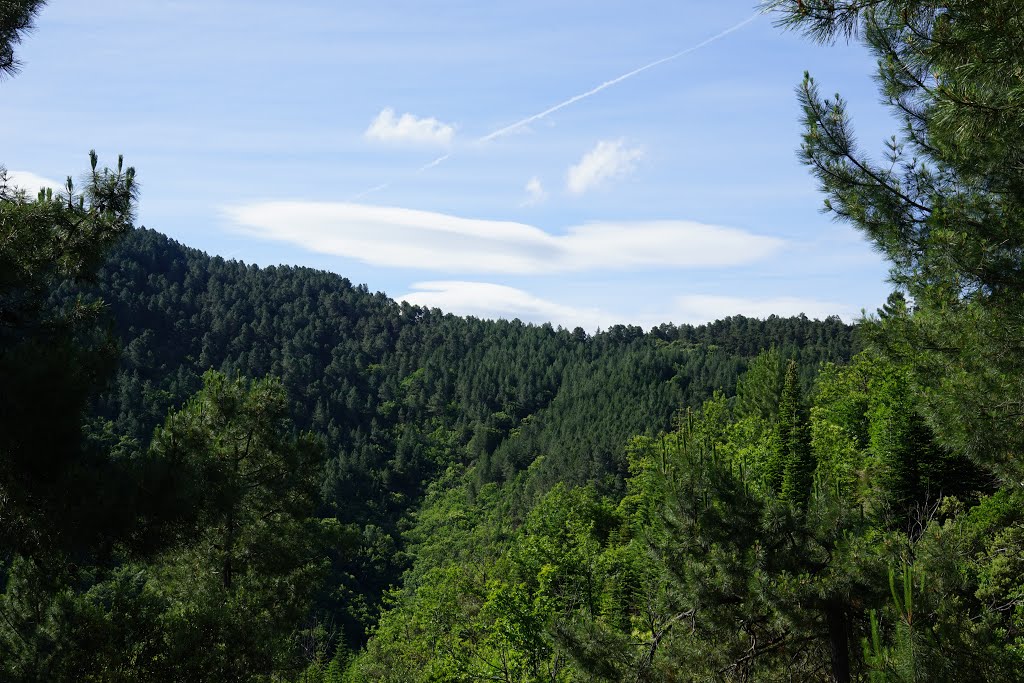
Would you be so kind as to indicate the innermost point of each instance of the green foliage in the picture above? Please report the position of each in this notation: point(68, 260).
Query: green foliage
point(16, 20)
point(403, 395)
point(510, 502)
point(698, 570)
point(253, 557)
point(259, 481)
point(759, 390)
point(797, 464)
point(837, 432)
point(221, 601)
point(943, 203)
point(51, 477)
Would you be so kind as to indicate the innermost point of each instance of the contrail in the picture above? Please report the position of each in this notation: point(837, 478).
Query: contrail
point(433, 163)
point(505, 130)
point(383, 186)
point(375, 188)
point(607, 84)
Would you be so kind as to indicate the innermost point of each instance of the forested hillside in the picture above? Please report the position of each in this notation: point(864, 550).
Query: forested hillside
point(215, 471)
point(402, 395)
point(240, 462)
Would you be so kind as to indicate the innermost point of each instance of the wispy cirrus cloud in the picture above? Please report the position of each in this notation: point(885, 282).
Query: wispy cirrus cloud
point(407, 128)
point(424, 240)
point(608, 159)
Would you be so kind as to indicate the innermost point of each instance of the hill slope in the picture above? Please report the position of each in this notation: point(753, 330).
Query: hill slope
point(402, 393)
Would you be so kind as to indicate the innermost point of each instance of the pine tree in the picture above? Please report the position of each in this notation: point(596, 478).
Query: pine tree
point(796, 460)
point(945, 203)
point(16, 20)
point(253, 555)
point(54, 356)
point(759, 391)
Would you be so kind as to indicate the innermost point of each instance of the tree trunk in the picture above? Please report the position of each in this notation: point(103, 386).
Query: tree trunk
point(839, 641)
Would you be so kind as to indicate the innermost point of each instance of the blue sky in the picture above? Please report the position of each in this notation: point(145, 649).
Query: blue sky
point(303, 133)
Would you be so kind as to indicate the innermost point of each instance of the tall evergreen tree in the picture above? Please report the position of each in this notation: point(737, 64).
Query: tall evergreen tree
point(945, 203)
point(797, 463)
point(54, 356)
point(243, 574)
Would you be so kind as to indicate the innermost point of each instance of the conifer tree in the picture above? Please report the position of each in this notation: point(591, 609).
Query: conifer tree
point(247, 567)
point(797, 461)
point(53, 357)
point(944, 203)
point(759, 390)
point(16, 19)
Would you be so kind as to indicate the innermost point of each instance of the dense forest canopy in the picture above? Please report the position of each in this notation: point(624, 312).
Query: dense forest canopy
point(215, 471)
point(401, 395)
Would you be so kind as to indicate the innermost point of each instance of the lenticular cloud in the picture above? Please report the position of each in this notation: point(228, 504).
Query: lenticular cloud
point(424, 240)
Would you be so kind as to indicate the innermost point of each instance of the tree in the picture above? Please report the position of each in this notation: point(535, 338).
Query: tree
point(16, 20)
point(54, 356)
point(247, 570)
point(221, 599)
point(796, 459)
point(945, 204)
point(758, 391)
point(757, 585)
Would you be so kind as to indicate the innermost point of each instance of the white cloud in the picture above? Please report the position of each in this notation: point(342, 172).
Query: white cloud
point(408, 128)
point(32, 183)
point(609, 159)
point(407, 238)
point(700, 308)
point(535, 192)
point(494, 301)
